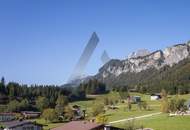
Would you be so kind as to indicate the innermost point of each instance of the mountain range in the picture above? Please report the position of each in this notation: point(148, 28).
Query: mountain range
point(147, 71)
point(144, 68)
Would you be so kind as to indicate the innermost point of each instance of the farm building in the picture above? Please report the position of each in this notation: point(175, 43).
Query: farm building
point(30, 114)
point(136, 99)
point(80, 125)
point(78, 112)
point(188, 104)
point(20, 125)
point(7, 116)
point(85, 125)
point(156, 96)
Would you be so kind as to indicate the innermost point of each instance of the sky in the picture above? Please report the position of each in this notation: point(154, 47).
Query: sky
point(42, 40)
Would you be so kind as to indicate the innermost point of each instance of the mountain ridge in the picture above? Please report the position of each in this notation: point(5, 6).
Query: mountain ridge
point(133, 71)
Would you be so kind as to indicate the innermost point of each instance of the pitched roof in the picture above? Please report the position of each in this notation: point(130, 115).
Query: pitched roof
point(30, 112)
point(7, 114)
point(79, 125)
point(13, 124)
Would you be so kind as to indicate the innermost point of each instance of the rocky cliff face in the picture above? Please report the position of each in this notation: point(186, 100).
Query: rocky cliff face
point(156, 60)
point(139, 53)
point(176, 53)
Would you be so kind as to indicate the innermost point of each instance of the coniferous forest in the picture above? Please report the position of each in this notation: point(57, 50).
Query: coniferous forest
point(16, 97)
point(19, 97)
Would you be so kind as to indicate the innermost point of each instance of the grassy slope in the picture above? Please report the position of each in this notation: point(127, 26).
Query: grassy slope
point(163, 122)
point(160, 122)
point(122, 113)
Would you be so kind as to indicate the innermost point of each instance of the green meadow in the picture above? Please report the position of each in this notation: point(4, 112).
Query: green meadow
point(157, 122)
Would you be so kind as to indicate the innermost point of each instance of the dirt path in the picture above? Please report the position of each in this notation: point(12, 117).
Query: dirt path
point(138, 117)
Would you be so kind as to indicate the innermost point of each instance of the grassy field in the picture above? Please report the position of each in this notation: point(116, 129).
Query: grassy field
point(121, 112)
point(162, 122)
point(158, 122)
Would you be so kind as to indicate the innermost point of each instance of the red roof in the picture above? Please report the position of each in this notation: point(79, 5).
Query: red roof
point(79, 125)
point(13, 124)
point(8, 113)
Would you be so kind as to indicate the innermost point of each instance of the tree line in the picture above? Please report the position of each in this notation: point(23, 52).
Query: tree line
point(16, 97)
point(93, 87)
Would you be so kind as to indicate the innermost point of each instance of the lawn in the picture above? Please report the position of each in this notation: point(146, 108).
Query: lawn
point(121, 112)
point(163, 122)
point(159, 122)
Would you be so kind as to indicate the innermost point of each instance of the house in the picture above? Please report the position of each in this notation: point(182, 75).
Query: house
point(78, 113)
point(20, 125)
point(80, 125)
point(84, 125)
point(30, 114)
point(136, 99)
point(156, 96)
point(188, 104)
point(7, 117)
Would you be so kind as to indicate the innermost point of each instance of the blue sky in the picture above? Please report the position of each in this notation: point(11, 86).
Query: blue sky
point(41, 40)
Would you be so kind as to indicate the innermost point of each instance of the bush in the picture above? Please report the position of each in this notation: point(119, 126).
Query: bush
point(49, 115)
point(42, 103)
point(101, 119)
point(13, 106)
point(69, 113)
point(97, 109)
point(177, 104)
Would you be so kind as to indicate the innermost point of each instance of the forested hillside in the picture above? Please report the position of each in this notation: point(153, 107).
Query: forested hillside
point(16, 97)
point(174, 79)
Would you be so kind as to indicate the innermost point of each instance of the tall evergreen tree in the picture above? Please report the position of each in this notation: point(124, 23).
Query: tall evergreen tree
point(2, 86)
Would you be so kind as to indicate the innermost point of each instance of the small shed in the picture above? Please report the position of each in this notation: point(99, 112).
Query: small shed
point(156, 96)
point(78, 113)
point(136, 99)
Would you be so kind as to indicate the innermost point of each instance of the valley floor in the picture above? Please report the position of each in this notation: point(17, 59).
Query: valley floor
point(120, 116)
point(163, 122)
point(158, 121)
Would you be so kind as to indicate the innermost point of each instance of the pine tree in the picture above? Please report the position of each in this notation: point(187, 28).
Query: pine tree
point(2, 86)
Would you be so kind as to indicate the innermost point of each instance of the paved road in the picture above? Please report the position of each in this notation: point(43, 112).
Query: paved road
point(139, 117)
point(149, 105)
